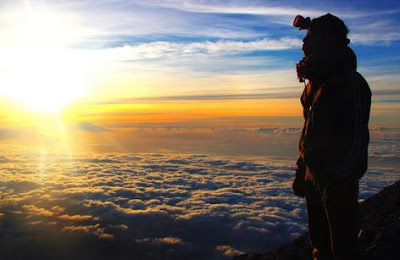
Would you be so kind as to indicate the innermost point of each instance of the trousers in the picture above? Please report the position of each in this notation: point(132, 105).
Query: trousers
point(333, 216)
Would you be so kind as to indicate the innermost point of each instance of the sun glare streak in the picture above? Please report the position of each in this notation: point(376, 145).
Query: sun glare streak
point(53, 138)
point(65, 140)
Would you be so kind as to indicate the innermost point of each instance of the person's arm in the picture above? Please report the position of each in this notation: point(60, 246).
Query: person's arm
point(300, 167)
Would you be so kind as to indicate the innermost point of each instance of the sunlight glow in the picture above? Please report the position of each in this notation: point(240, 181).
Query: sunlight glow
point(44, 80)
point(38, 68)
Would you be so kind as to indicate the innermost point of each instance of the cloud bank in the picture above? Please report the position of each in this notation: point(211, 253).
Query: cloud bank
point(151, 206)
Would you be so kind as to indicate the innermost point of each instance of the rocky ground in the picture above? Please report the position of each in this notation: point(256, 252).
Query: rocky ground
point(380, 237)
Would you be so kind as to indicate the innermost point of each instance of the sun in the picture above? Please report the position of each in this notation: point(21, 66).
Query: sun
point(39, 69)
point(44, 80)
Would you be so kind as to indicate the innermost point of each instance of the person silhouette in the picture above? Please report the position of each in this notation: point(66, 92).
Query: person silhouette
point(333, 146)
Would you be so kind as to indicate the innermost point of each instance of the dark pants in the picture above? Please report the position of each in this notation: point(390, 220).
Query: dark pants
point(333, 217)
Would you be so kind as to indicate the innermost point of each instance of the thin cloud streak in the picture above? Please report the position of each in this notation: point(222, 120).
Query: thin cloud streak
point(163, 49)
point(373, 39)
point(203, 97)
point(243, 8)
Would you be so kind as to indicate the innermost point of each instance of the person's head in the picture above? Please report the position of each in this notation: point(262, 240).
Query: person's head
point(325, 34)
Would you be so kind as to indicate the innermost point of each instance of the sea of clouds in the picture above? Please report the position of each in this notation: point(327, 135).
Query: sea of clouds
point(55, 205)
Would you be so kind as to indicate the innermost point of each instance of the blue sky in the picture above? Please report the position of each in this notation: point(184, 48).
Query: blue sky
point(373, 30)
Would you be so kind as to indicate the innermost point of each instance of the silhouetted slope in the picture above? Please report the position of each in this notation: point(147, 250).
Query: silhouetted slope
point(380, 238)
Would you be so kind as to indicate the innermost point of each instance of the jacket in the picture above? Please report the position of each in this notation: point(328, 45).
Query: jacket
point(335, 135)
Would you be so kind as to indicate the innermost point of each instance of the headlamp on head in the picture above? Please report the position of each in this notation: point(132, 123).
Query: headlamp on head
point(301, 22)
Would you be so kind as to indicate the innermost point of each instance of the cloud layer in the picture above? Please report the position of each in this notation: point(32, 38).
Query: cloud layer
point(153, 206)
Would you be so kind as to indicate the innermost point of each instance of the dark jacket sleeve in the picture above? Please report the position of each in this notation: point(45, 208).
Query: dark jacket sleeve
point(306, 100)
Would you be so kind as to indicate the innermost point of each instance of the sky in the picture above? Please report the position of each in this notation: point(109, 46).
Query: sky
point(119, 66)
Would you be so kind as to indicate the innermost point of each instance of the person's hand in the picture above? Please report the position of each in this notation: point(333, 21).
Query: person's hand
point(298, 185)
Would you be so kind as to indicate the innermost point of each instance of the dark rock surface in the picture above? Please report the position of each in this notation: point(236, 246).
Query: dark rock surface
point(379, 239)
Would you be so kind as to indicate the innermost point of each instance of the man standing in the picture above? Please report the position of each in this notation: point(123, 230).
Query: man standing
point(333, 147)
